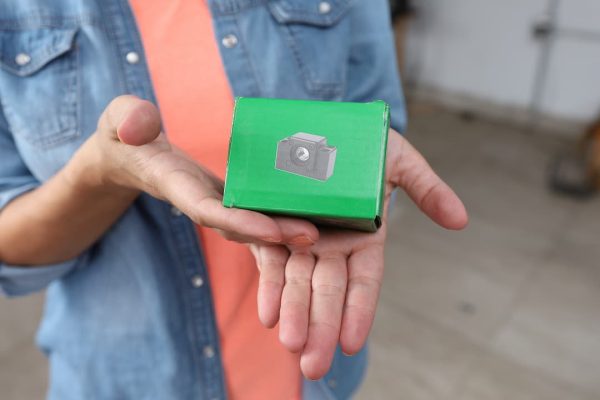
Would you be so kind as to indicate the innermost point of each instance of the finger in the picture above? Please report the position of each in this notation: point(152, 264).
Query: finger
point(365, 274)
point(192, 194)
point(243, 226)
point(244, 239)
point(131, 120)
point(198, 194)
point(412, 173)
point(328, 293)
point(297, 232)
point(254, 249)
point(295, 301)
point(272, 260)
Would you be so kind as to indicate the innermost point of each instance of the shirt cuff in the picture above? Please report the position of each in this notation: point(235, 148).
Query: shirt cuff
point(22, 280)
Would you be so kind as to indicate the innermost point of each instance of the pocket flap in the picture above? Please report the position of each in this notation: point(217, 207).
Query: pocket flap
point(24, 52)
point(312, 12)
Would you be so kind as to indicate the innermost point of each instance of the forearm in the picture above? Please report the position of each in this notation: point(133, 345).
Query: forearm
point(127, 155)
point(64, 216)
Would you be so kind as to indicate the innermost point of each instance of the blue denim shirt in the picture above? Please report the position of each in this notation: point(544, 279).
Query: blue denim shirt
point(124, 320)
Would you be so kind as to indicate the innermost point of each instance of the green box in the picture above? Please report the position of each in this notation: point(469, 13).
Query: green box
point(323, 161)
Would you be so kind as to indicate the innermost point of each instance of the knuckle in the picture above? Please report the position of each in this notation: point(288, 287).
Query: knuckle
point(198, 217)
point(271, 265)
point(291, 306)
point(323, 324)
point(274, 259)
point(328, 290)
point(366, 310)
point(273, 282)
point(147, 173)
point(364, 283)
point(332, 257)
point(297, 281)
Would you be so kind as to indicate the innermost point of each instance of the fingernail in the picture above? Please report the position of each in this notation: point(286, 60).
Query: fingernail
point(302, 241)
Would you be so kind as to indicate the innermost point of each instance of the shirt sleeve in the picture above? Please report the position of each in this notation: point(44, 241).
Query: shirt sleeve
point(16, 180)
point(373, 70)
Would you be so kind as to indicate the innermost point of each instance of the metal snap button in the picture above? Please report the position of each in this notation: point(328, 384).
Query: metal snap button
point(229, 41)
point(324, 7)
point(197, 281)
point(176, 212)
point(22, 59)
point(132, 57)
point(208, 351)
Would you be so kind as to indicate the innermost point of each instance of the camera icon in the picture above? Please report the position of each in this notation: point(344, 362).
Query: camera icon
point(306, 155)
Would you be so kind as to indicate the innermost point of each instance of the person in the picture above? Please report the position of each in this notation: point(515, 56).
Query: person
point(114, 124)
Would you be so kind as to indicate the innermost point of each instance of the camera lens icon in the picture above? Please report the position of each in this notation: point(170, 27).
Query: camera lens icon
point(306, 155)
point(302, 154)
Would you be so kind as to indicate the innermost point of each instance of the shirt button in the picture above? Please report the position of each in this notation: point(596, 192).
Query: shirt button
point(332, 383)
point(132, 57)
point(208, 351)
point(230, 41)
point(197, 281)
point(324, 7)
point(22, 59)
point(176, 212)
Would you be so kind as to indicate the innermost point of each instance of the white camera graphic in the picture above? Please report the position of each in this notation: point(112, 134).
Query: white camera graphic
point(306, 155)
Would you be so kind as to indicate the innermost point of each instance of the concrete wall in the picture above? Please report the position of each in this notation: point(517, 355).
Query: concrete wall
point(484, 50)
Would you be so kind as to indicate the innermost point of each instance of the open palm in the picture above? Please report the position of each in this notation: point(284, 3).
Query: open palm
point(327, 293)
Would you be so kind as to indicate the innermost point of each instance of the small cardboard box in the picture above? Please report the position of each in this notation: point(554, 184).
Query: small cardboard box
point(323, 161)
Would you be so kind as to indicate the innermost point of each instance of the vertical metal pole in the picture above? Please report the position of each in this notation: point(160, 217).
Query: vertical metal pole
point(546, 32)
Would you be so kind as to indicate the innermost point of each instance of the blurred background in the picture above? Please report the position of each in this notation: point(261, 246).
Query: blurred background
point(503, 98)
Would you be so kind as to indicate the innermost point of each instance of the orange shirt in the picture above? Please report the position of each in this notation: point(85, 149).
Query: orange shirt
point(196, 106)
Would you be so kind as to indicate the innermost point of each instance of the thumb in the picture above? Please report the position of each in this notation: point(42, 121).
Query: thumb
point(131, 120)
point(434, 197)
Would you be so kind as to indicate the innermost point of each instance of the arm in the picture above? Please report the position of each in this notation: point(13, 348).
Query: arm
point(327, 294)
point(60, 219)
point(126, 155)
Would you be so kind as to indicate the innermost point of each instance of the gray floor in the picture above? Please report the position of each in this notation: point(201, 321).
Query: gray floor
point(508, 309)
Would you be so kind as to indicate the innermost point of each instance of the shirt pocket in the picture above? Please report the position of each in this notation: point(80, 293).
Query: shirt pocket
point(39, 84)
point(318, 33)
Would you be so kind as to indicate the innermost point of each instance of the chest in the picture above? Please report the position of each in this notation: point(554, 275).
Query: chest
point(61, 62)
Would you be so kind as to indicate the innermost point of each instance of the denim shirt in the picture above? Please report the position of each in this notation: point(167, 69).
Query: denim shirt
point(129, 318)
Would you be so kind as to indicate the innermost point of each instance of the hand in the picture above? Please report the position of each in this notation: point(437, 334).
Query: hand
point(129, 152)
point(328, 293)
